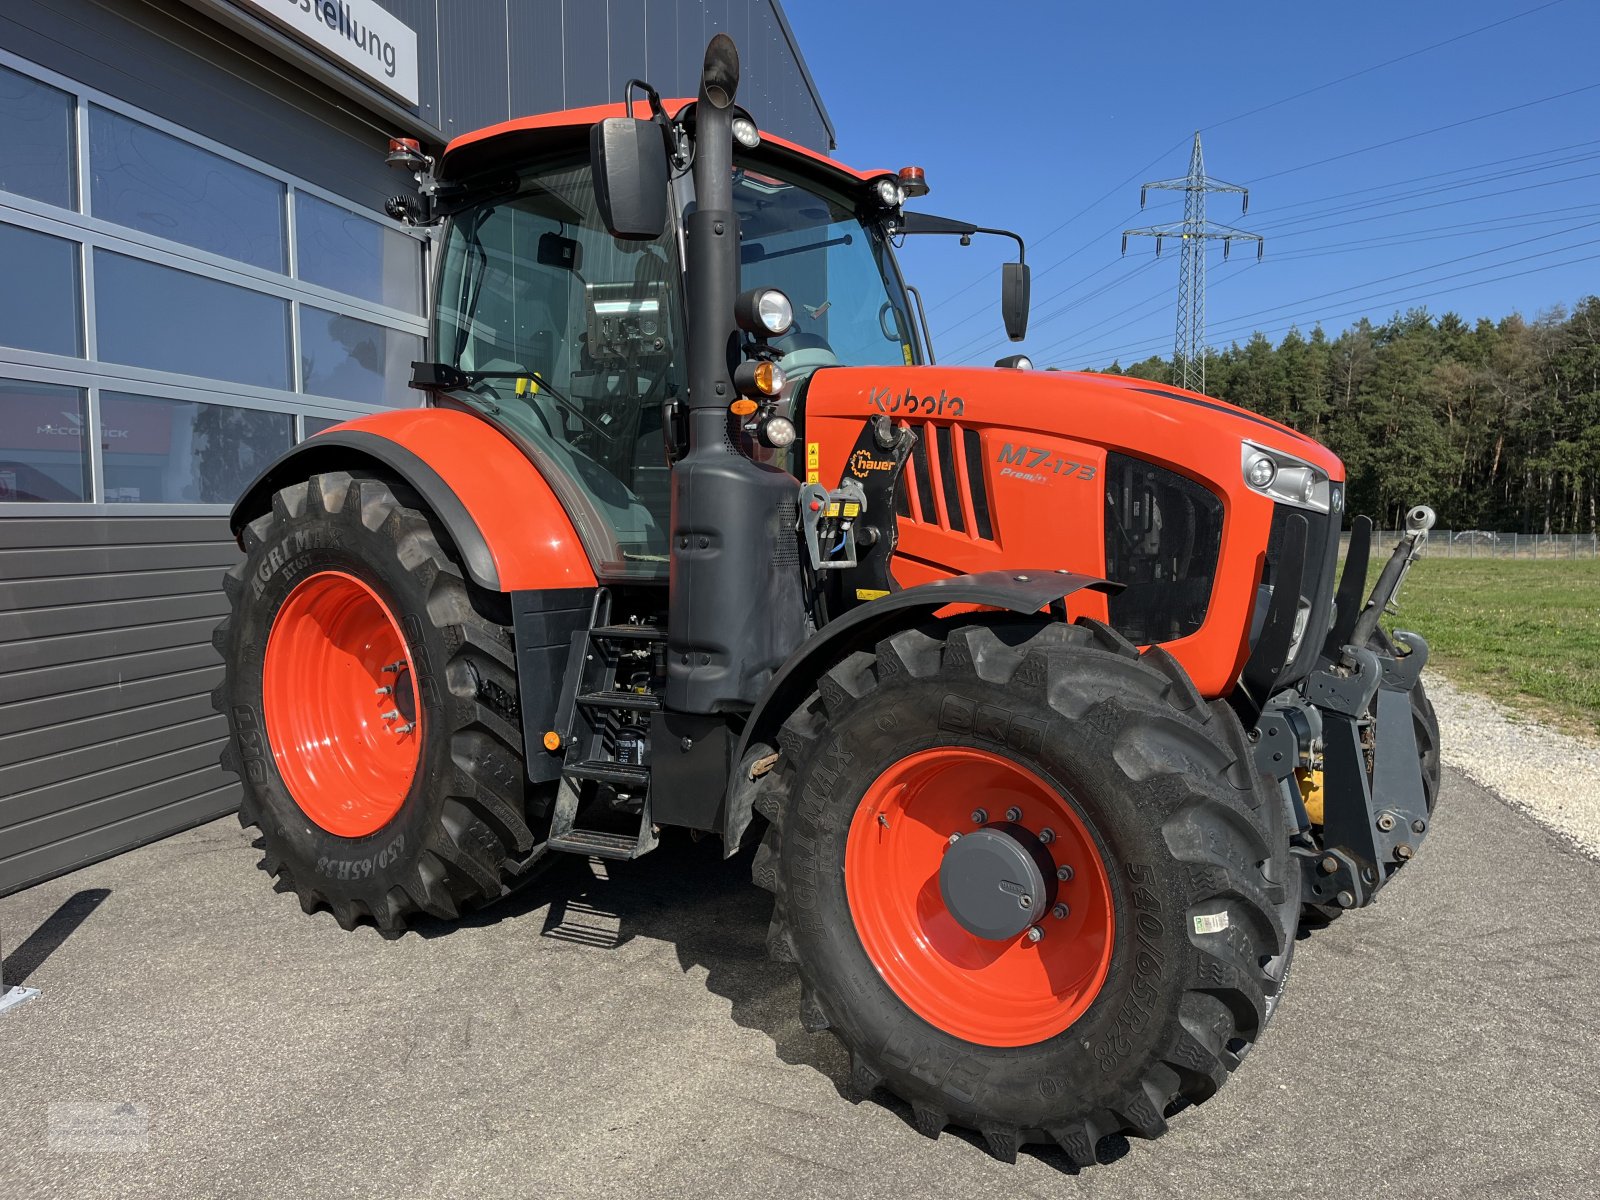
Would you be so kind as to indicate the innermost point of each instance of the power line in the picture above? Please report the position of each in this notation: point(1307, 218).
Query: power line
point(1386, 63)
point(1116, 188)
point(990, 341)
point(1188, 346)
point(1412, 300)
point(1243, 320)
point(1499, 112)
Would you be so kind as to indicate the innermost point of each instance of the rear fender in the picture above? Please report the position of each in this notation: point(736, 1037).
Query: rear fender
point(1026, 592)
point(507, 524)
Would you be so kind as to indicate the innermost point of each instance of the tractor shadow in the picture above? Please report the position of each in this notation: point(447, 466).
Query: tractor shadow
point(687, 895)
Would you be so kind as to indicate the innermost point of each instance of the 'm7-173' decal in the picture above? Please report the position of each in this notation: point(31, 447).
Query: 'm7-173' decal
point(1037, 464)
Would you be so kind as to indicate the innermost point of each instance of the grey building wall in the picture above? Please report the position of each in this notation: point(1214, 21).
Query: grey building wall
point(107, 737)
point(494, 59)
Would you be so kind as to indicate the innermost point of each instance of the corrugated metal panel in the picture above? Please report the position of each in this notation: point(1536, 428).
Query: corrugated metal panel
point(586, 53)
point(107, 737)
point(628, 57)
point(474, 81)
point(423, 16)
point(538, 72)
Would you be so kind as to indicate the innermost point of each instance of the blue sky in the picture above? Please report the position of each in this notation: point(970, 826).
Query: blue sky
point(1044, 117)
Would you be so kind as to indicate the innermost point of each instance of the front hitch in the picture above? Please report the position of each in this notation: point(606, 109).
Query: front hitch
point(1374, 801)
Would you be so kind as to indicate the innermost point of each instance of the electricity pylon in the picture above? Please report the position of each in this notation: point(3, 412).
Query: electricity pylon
point(1189, 348)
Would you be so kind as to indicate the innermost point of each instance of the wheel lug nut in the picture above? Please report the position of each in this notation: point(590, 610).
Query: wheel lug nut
point(1013, 813)
point(385, 690)
point(1035, 933)
point(1419, 826)
point(392, 715)
point(980, 817)
point(393, 667)
point(407, 728)
point(954, 838)
point(1047, 836)
point(1060, 912)
point(1064, 874)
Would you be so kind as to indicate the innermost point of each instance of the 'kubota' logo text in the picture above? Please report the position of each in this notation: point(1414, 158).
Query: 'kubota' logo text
point(912, 405)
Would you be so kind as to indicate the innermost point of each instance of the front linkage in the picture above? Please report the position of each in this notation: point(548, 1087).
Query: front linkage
point(1344, 745)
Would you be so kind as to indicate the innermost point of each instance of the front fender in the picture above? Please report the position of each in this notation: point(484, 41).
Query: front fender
point(507, 524)
point(1022, 591)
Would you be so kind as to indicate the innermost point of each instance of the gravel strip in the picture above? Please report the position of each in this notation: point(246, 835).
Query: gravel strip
point(1552, 776)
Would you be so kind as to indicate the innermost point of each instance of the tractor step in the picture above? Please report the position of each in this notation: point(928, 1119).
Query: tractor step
point(643, 701)
point(597, 844)
point(615, 773)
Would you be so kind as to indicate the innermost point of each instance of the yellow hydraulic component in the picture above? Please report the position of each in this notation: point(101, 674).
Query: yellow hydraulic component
point(1311, 793)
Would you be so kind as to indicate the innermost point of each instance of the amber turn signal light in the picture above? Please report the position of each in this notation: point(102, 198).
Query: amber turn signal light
point(759, 378)
point(742, 408)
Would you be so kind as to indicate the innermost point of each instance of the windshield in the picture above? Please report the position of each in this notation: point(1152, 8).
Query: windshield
point(585, 329)
point(849, 305)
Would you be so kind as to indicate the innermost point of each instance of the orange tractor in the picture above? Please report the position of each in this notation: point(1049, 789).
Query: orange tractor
point(1038, 690)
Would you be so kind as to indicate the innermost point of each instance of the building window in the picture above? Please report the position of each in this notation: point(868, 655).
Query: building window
point(169, 320)
point(40, 305)
point(354, 360)
point(43, 439)
point(36, 131)
point(347, 253)
point(159, 451)
point(152, 181)
point(197, 306)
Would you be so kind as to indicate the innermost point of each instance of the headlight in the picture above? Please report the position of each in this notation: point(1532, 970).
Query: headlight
point(778, 432)
point(764, 312)
point(746, 133)
point(1285, 478)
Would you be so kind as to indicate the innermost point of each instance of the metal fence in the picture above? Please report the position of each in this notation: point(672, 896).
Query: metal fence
point(1480, 543)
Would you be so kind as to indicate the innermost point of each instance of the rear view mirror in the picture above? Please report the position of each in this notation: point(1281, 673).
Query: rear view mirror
point(1015, 285)
point(629, 159)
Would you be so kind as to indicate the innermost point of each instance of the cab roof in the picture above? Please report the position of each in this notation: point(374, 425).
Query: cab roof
point(543, 133)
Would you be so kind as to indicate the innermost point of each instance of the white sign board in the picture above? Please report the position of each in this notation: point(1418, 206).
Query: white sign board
point(357, 33)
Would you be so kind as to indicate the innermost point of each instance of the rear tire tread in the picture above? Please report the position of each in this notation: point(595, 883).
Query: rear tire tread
point(482, 845)
point(1228, 1006)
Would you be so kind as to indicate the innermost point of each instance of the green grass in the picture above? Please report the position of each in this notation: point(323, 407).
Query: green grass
point(1526, 633)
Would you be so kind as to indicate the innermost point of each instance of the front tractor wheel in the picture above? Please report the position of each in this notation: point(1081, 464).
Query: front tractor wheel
point(1031, 880)
point(369, 701)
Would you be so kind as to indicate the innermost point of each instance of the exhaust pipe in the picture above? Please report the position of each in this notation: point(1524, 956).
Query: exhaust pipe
point(738, 605)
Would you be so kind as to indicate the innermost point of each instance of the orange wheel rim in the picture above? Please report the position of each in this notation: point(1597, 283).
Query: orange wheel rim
point(340, 699)
point(1009, 992)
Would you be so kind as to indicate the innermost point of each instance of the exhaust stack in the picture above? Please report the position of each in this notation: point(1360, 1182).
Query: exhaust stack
point(738, 607)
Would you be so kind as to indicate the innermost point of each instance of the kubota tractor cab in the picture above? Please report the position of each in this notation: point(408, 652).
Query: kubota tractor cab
point(1037, 689)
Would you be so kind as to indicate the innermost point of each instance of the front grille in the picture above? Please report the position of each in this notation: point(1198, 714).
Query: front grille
point(1163, 538)
point(1316, 586)
point(945, 486)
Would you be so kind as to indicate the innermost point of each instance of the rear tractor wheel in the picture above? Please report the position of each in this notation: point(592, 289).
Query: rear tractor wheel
point(371, 714)
point(1030, 879)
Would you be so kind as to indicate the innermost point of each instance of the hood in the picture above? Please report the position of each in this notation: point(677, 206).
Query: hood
point(1178, 429)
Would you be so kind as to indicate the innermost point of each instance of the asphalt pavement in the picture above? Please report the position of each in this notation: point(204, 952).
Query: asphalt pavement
point(617, 1031)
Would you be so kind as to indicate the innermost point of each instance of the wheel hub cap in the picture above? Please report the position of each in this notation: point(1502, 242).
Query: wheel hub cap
point(1001, 936)
point(340, 701)
point(994, 884)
